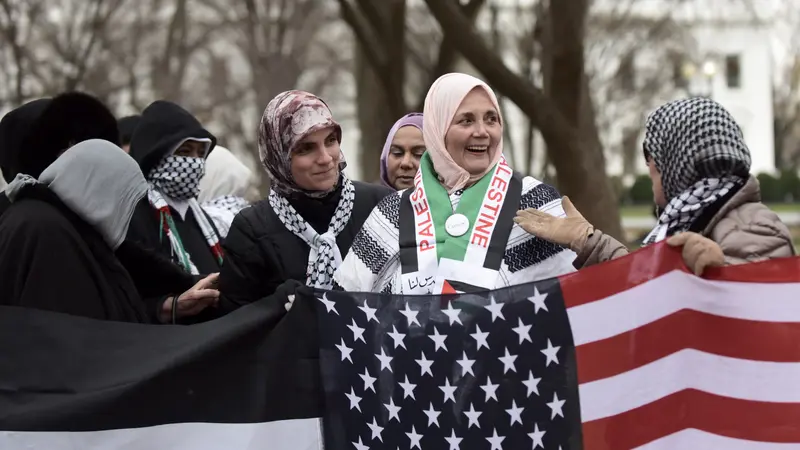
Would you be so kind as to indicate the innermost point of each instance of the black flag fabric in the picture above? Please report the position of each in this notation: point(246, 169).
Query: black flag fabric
point(249, 380)
point(493, 370)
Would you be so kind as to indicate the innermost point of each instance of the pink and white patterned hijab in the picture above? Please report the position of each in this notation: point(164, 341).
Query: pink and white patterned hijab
point(288, 119)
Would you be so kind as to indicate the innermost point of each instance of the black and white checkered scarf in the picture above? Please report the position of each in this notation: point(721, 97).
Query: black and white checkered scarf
point(178, 177)
point(700, 152)
point(324, 256)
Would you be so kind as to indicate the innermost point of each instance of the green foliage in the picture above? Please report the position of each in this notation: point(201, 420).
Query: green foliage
point(790, 186)
point(641, 192)
point(771, 191)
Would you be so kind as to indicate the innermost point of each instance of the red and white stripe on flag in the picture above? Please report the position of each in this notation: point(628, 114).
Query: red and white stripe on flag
point(667, 360)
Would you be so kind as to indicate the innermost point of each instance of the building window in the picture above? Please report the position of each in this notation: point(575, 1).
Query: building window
point(733, 71)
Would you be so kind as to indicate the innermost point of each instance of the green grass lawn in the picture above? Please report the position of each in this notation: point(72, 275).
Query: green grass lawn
point(645, 210)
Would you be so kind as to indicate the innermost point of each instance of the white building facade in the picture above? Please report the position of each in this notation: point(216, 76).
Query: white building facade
point(729, 58)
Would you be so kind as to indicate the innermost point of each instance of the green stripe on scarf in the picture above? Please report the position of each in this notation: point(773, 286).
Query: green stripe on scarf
point(441, 208)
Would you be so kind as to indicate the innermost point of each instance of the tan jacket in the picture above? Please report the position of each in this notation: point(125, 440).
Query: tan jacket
point(745, 229)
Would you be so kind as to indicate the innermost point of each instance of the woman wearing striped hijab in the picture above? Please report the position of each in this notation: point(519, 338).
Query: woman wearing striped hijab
point(454, 230)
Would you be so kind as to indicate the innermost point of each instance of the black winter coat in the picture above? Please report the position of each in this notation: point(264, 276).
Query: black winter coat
point(261, 254)
point(55, 261)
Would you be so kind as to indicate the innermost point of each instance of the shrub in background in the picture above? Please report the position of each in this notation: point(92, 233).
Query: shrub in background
point(641, 192)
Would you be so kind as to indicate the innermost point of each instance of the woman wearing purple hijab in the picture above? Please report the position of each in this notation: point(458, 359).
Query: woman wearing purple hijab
point(402, 151)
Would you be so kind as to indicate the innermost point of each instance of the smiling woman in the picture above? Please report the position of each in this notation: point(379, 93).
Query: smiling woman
point(307, 224)
point(315, 159)
point(453, 231)
point(476, 132)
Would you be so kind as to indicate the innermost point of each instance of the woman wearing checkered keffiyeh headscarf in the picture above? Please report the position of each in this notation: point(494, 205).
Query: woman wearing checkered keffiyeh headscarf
point(307, 224)
point(710, 204)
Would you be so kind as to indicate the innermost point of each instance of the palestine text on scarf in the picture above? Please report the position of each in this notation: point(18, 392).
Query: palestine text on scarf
point(660, 360)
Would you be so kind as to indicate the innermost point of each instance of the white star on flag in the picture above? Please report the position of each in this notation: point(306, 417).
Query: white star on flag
point(360, 445)
point(438, 340)
point(376, 430)
point(386, 360)
point(424, 365)
point(358, 332)
point(537, 436)
point(448, 391)
point(454, 441)
point(508, 362)
point(433, 416)
point(369, 381)
point(555, 406)
point(397, 337)
point(551, 353)
point(480, 337)
point(411, 315)
point(345, 351)
point(524, 332)
point(408, 389)
point(496, 441)
point(473, 415)
point(532, 383)
point(369, 312)
point(354, 400)
point(490, 389)
point(452, 314)
point(394, 410)
point(515, 412)
point(414, 437)
point(538, 301)
point(495, 308)
point(466, 365)
point(329, 305)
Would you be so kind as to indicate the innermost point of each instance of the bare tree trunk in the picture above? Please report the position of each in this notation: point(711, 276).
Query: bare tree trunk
point(579, 163)
point(584, 176)
point(374, 117)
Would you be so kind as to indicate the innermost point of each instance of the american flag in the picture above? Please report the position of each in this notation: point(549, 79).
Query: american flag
point(483, 371)
point(667, 360)
point(637, 353)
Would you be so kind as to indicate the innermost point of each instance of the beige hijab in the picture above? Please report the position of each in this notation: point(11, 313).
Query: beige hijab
point(443, 99)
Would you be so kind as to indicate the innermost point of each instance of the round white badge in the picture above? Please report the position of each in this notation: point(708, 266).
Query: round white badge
point(456, 225)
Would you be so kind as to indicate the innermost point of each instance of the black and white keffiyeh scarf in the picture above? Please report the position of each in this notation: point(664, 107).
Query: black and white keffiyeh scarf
point(223, 210)
point(178, 177)
point(701, 154)
point(324, 256)
point(230, 203)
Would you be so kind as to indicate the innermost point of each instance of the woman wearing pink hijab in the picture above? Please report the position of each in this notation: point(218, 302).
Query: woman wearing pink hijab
point(402, 151)
point(454, 231)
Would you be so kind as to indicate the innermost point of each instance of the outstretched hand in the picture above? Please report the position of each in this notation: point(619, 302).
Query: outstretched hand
point(699, 252)
point(571, 231)
point(192, 302)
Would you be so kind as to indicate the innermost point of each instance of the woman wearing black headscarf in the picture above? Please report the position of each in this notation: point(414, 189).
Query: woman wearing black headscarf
point(35, 134)
point(60, 236)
